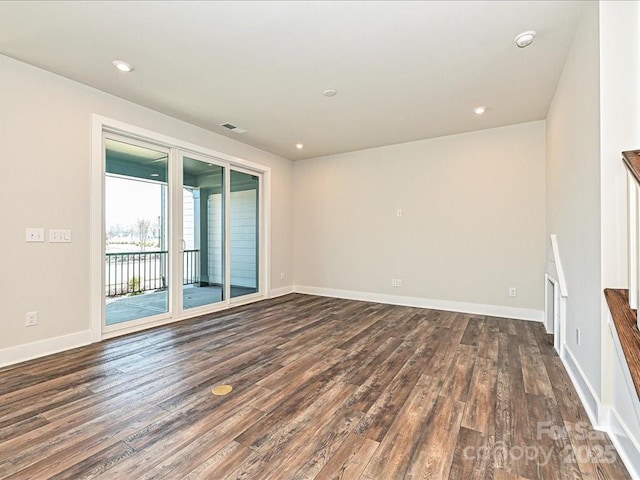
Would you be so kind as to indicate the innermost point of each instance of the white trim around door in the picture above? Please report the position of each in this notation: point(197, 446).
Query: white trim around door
point(177, 149)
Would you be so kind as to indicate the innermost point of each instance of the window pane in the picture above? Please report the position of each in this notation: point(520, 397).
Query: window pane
point(243, 212)
point(136, 234)
point(202, 233)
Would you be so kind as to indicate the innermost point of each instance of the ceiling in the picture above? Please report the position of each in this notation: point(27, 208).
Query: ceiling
point(403, 70)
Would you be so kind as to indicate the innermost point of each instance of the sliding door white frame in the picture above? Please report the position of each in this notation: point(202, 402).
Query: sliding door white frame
point(101, 124)
point(261, 197)
point(161, 317)
point(179, 172)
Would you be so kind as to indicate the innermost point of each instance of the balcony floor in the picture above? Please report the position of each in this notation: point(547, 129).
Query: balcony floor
point(124, 309)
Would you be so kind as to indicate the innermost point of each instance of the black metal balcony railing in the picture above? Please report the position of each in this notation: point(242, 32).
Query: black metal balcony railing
point(137, 272)
point(190, 267)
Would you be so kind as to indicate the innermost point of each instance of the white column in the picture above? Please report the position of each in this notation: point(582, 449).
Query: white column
point(632, 209)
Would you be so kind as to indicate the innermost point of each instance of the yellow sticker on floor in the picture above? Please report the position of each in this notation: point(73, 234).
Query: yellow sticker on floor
point(222, 389)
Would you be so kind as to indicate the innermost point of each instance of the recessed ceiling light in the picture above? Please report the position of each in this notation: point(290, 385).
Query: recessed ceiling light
point(299, 146)
point(330, 93)
point(122, 66)
point(479, 110)
point(525, 38)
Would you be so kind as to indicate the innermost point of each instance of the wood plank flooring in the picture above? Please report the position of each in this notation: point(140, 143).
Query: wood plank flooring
point(323, 389)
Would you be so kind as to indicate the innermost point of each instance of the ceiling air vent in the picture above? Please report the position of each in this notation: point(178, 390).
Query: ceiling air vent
point(232, 127)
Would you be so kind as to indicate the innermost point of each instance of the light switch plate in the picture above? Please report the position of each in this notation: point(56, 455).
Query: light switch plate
point(35, 235)
point(59, 236)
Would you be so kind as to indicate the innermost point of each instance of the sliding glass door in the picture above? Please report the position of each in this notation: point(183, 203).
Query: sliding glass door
point(203, 232)
point(135, 220)
point(182, 233)
point(244, 234)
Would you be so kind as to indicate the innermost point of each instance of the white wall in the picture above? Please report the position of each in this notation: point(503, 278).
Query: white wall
point(622, 417)
point(188, 224)
point(593, 117)
point(243, 236)
point(573, 190)
point(215, 239)
point(45, 136)
point(619, 131)
point(619, 23)
point(472, 224)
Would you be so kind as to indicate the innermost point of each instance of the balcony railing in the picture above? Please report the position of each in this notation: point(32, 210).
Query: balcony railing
point(137, 272)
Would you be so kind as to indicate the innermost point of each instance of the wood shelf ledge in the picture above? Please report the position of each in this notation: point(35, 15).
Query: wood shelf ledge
point(624, 320)
point(632, 160)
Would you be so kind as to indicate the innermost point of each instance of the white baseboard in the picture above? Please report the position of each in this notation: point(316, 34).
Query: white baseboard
point(622, 362)
point(278, 292)
point(29, 351)
point(624, 441)
point(604, 417)
point(590, 400)
point(463, 307)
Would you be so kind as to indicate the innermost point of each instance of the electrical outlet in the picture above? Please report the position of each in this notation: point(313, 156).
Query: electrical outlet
point(399, 282)
point(31, 319)
point(281, 275)
point(578, 336)
point(513, 292)
point(399, 212)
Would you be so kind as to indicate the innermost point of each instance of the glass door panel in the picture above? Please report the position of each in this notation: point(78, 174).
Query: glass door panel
point(202, 233)
point(136, 253)
point(244, 235)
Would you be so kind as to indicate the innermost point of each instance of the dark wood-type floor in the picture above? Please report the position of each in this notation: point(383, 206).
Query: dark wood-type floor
point(323, 388)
